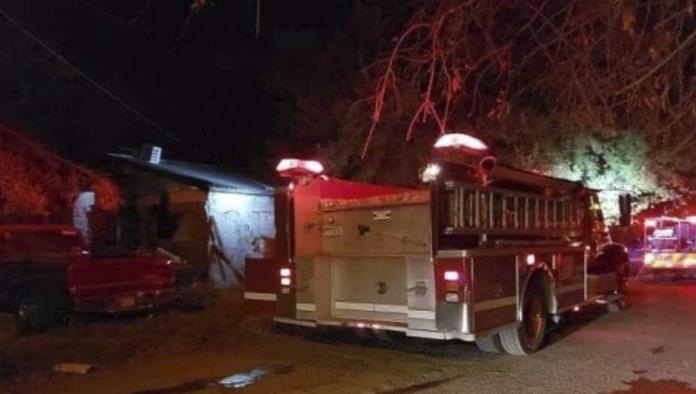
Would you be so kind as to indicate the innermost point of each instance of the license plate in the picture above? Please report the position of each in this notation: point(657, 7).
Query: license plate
point(127, 302)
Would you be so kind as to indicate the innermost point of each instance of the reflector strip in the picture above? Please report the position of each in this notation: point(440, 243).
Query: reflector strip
point(391, 308)
point(568, 289)
point(367, 307)
point(354, 306)
point(674, 260)
point(302, 323)
point(421, 314)
point(305, 307)
point(431, 334)
point(494, 304)
point(250, 295)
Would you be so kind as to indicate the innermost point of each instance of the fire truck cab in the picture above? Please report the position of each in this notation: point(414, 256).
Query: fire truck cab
point(487, 253)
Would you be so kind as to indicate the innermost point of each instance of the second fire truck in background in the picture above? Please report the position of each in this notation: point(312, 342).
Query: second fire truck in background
point(670, 245)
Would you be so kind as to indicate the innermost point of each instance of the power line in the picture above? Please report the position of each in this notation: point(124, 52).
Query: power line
point(89, 79)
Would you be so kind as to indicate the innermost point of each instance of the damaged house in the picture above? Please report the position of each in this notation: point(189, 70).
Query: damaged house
point(200, 213)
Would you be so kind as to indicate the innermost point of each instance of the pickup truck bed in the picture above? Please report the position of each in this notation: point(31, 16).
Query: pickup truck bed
point(46, 272)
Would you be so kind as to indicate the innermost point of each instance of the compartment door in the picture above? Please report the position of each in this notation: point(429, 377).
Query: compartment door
point(352, 284)
point(570, 279)
point(390, 289)
point(421, 293)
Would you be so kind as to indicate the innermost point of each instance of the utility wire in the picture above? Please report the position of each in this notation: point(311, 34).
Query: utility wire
point(89, 79)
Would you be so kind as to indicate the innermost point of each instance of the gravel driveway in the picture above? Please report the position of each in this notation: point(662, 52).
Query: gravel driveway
point(649, 348)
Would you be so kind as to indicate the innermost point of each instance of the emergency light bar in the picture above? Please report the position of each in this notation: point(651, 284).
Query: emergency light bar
point(460, 140)
point(295, 167)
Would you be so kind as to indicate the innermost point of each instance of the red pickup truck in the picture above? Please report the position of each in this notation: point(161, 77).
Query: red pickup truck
point(46, 271)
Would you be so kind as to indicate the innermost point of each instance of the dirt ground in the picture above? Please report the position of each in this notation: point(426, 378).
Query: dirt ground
point(649, 348)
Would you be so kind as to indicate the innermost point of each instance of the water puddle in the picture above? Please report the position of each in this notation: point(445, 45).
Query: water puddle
point(231, 382)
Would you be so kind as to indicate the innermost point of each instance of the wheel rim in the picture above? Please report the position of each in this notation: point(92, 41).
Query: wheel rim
point(534, 321)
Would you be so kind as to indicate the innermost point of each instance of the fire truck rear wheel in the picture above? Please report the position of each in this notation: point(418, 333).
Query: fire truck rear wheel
point(529, 336)
point(490, 345)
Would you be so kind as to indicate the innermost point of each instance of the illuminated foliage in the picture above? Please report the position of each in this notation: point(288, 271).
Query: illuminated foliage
point(626, 64)
point(37, 183)
point(615, 165)
point(490, 66)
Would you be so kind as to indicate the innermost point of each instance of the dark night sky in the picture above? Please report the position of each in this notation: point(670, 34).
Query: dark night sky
point(211, 89)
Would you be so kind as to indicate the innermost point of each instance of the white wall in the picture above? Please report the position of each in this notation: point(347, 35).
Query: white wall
point(240, 219)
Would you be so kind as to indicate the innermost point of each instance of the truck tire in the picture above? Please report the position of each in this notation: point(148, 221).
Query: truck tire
point(490, 344)
point(33, 315)
point(529, 336)
point(617, 306)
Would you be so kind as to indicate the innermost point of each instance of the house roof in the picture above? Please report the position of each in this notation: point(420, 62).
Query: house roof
point(199, 174)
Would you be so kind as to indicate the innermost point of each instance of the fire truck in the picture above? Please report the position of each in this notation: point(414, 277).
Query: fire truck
point(670, 245)
point(485, 253)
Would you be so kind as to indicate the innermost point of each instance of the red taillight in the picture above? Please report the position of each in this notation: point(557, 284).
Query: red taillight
point(451, 280)
point(451, 286)
point(451, 276)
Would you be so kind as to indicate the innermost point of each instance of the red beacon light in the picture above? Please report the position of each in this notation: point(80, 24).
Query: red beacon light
point(293, 168)
point(461, 141)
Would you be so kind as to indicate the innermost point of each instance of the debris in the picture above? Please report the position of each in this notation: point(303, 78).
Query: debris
point(242, 379)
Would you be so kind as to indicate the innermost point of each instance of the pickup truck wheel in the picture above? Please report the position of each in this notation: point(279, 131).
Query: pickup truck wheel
point(32, 315)
point(490, 345)
point(529, 336)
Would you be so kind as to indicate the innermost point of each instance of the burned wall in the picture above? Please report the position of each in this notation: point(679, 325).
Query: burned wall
point(239, 224)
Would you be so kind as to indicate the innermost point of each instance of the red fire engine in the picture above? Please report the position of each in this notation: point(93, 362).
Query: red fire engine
point(488, 253)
